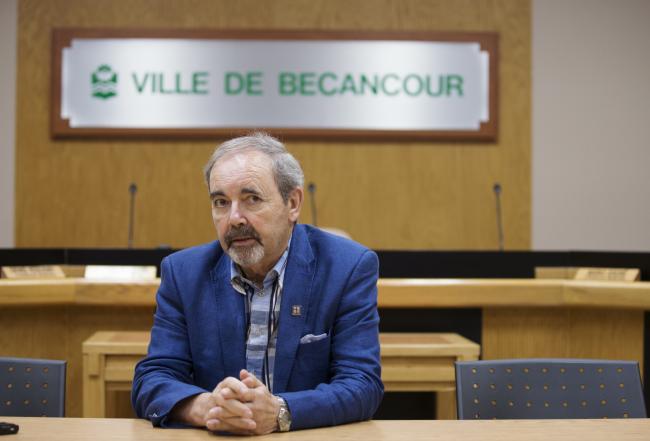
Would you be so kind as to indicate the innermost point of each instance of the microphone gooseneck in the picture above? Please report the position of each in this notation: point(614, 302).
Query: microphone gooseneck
point(133, 189)
point(497, 198)
point(311, 188)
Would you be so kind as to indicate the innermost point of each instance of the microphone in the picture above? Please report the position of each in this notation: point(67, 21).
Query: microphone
point(311, 188)
point(133, 189)
point(497, 198)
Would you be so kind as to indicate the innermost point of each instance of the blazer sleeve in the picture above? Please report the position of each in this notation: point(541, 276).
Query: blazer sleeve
point(164, 377)
point(355, 389)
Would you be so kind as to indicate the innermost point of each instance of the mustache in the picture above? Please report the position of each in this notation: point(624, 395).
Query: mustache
point(243, 232)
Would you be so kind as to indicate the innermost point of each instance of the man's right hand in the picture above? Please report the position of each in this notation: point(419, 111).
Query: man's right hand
point(226, 403)
point(230, 413)
point(244, 407)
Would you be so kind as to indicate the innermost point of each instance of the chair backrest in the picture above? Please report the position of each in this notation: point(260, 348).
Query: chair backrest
point(549, 388)
point(31, 387)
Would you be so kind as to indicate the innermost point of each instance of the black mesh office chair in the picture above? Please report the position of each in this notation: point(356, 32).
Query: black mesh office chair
point(31, 387)
point(548, 388)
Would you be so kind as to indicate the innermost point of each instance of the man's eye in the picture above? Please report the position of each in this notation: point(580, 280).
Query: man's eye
point(254, 199)
point(219, 203)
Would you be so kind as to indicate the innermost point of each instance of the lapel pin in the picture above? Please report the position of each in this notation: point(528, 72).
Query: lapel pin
point(296, 310)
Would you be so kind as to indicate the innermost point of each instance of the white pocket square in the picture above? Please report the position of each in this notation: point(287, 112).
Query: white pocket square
point(310, 338)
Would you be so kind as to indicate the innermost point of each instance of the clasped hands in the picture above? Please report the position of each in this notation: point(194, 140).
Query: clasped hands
point(243, 406)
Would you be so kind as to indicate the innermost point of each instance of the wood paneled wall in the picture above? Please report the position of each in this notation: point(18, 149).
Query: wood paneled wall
point(388, 195)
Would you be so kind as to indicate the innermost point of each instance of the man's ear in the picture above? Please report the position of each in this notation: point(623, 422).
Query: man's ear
point(295, 203)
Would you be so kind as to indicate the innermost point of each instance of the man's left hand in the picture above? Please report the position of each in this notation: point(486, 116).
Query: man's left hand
point(263, 405)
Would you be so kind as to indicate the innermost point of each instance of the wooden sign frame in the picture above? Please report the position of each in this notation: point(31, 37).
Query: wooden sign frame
point(62, 38)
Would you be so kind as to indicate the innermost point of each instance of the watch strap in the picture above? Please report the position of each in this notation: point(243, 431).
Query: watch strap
point(284, 416)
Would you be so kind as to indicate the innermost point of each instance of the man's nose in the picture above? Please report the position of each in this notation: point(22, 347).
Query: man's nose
point(237, 217)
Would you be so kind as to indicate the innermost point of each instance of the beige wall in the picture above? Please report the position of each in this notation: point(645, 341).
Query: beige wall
point(408, 195)
point(591, 124)
point(8, 19)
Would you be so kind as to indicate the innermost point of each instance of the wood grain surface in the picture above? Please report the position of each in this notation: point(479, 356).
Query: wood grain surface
point(563, 333)
point(73, 429)
point(392, 293)
point(521, 318)
point(420, 362)
point(58, 331)
point(386, 194)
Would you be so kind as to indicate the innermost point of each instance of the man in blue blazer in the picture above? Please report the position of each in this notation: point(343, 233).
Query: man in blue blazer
point(274, 327)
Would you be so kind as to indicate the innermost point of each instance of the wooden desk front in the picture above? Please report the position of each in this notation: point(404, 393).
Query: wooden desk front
point(520, 318)
point(82, 429)
point(422, 362)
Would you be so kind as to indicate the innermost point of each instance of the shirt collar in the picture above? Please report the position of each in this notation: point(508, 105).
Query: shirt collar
point(239, 281)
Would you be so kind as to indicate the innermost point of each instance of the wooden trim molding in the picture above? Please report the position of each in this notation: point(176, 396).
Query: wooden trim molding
point(393, 293)
point(62, 38)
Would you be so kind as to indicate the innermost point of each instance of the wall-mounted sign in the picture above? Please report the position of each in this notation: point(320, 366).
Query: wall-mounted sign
point(344, 84)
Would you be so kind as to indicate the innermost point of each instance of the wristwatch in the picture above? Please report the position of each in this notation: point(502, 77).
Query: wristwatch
point(284, 417)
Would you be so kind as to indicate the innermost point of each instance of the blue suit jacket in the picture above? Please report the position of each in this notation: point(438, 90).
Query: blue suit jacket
point(199, 332)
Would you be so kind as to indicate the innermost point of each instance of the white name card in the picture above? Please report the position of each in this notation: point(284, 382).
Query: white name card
point(119, 272)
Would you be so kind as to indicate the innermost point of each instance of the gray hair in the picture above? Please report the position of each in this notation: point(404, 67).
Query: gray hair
point(286, 170)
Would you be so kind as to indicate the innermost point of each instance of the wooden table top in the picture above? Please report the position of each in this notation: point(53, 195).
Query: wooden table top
point(393, 344)
point(393, 293)
point(78, 429)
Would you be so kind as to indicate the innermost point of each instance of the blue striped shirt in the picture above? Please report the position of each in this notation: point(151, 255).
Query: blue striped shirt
point(263, 312)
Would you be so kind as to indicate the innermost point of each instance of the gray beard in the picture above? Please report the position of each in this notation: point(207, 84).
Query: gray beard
point(246, 257)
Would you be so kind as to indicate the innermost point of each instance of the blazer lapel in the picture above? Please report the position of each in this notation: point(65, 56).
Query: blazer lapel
point(230, 317)
point(296, 291)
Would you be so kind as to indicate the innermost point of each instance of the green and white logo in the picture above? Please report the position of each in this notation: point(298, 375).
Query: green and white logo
point(104, 82)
